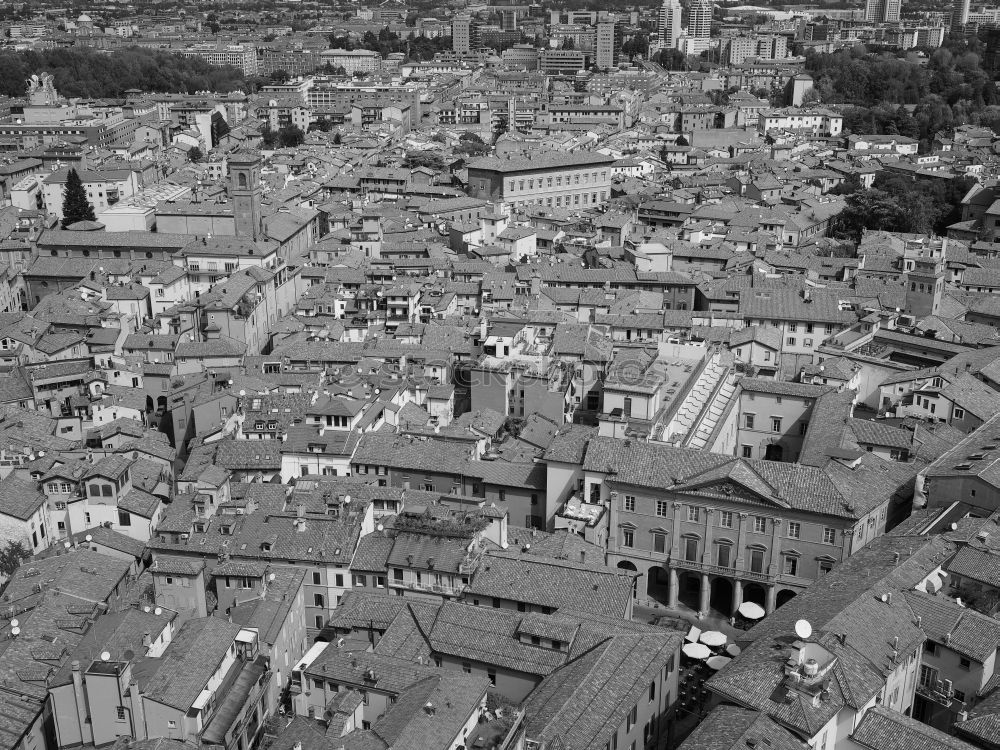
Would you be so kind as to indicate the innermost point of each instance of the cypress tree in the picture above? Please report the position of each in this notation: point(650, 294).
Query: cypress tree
point(76, 207)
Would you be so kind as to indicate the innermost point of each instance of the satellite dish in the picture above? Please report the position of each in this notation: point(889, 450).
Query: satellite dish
point(66, 544)
point(41, 454)
point(88, 538)
point(105, 656)
point(347, 499)
point(803, 629)
point(271, 577)
point(243, 393)
point(157, 611)
point(884, 597)
point(15, 631)
point(14, 623)
point(128, 655)
point(954, 526)
point(146, 608)
point(380, 527)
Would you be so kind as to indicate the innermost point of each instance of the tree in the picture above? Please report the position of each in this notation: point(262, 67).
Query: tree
point(290, 136)
point(337, 139)
point(279, 76)
point(76, 207)
point(195, 155)
point(12, 556)
point(681, 141)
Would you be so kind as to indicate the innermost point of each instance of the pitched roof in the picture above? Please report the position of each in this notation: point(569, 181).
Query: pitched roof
point(885, 729)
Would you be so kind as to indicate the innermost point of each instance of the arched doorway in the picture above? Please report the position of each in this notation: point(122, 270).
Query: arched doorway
point(690, 590)
point(722, 595)
point(754, 592)
point(773, 452)
point(658, 584)
point(161, 402)
point(784, 596)
point(149, 404)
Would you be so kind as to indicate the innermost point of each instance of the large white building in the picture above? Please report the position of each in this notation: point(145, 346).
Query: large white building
point(242, 56)
point(353, 60)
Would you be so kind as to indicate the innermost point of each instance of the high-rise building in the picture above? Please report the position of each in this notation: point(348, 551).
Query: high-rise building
point(882, 11)
point(461, 35)
point(670, 23)
point(508, 19)
point(700, 19)
point(959, 14)
point(608, 43)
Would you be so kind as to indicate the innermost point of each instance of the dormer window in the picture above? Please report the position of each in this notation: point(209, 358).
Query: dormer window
point(265, 546)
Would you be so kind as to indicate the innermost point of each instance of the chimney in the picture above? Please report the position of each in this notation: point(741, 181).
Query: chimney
point(429, 708)
point(147, 641)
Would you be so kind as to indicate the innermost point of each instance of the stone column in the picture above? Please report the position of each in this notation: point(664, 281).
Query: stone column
point(737, 595)
point(675, 546)
point(706, 590)
point(772, 598)
point(674, 585)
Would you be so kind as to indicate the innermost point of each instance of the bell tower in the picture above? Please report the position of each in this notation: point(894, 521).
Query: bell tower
point(245, 192)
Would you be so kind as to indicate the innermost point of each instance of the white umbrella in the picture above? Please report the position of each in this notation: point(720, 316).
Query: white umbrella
point(718, 662)
point(693, 634)
point(696, 650)
point(733, 650)
point(751, 610)
point(713, 638)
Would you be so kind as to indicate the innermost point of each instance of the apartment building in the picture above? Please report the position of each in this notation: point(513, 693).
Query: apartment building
point(820, 122)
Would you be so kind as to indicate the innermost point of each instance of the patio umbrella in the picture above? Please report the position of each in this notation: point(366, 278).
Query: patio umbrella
point(718, 662)
point(693, 634)
point(733, 650)
point(696, 650)
point(751, 610)
point(713, 638)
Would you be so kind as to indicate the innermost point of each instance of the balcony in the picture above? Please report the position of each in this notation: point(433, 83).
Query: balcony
point(701, 567)
point(937, 691)
point(441, 589)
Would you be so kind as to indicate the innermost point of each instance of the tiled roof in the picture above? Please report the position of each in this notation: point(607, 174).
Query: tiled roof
point(193, 655)
point(19, 496)
point(552, 583)
point(735, 728)
point(584, 702)
point(977, 564)
point(885, 729)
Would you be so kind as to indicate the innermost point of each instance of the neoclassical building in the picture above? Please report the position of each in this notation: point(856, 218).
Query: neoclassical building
point(713, 531)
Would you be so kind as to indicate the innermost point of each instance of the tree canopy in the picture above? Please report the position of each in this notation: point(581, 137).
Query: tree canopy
point(85, 72)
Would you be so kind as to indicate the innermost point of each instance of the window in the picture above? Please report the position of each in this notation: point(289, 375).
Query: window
point(630, 721)
point(124, 518)
point(748, 420)
point(492, 675)
point(339, 579)
point(931, 647)
point(965, 664)
point(691, 549)
point(319, 622)
point(747, 451)
point(318, 600)
point(661, 507)
point(958, 414)
point(317, 578)
point(829, 535)
point(790, 341)
point(725, 556)
point(759, 524)
point(775, 424)
point(628, 538)
point(628, 505)
point(467, 667)
point(793, 529)
point(825, 566)
point(757, 560)
point(659, 542)
point(928, 676)
point(652, 691)
point(120, 713)
point(791, 566)
point(726, 519)
point(694, 513)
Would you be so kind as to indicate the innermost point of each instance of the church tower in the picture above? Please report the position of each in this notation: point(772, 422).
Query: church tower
point(245, 192)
